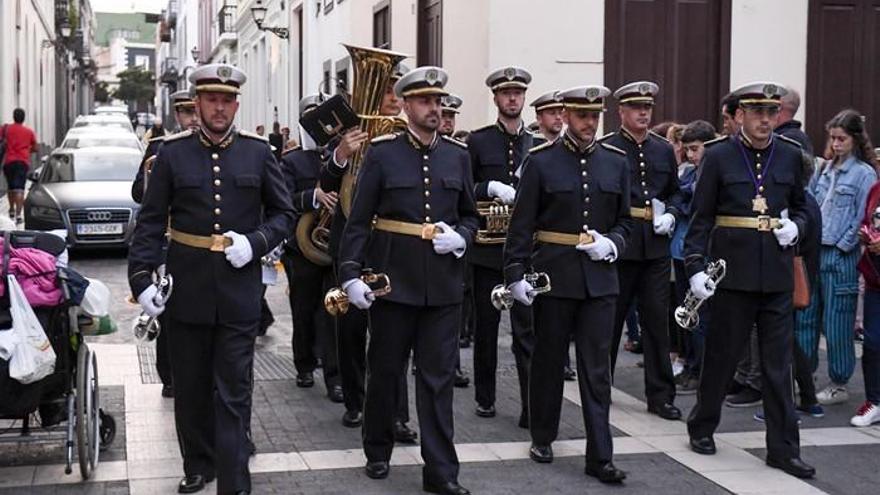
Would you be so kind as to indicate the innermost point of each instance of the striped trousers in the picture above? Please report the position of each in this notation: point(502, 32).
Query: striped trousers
point(832, 312)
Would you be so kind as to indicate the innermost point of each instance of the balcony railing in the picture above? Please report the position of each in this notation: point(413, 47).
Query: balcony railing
point(171, 14)
point(169, 71)
point(226, 17)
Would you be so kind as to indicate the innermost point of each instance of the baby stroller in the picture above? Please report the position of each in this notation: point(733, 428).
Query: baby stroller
point(68, 400)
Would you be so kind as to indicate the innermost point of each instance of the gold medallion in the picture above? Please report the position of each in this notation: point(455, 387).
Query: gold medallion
point(759, 204)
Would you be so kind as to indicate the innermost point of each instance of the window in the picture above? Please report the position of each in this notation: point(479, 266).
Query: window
point(142, 61)
point(382, 25)
point(328, 6)
point(328, 65)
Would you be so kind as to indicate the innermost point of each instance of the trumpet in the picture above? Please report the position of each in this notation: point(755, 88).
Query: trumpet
point(146, 328)
point(687, 315)
point(502, 298)
point(497, 215)
point(336, 300)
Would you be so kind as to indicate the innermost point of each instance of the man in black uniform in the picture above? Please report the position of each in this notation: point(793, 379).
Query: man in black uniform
point(645, 266)
point(497, 151)
point(306, 279)
point(548, 111)
point(352, 326)
point(220, 195)
point(418, 186)
point(185, 114)
point(449, 110)
point(571, 221)
point(749, 209)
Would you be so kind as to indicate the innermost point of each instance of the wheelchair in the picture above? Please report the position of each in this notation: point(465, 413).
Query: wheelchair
point(68, 401)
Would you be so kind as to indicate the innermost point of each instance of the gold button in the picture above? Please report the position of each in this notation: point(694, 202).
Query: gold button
point(510, 173)
point(587, 199)
point(214, 156)
point(643, 184)
point(216, 226)
point(510, 152)
point(584, 173)
point(424, 169)
point(428, 219)
point(424, 157)
point(427, 193)
point(427, 206)
point(583, 161)
point(510, 163)
point(216, 211)
point(758, 166)
point(759, 176)
point(641, 155)
point(761, 189)
point(217, 198)
point(585, 227)
point(216, 169)
point(642, 164)
point(585, 187)
point(646, 192)
point(217, 182)
point(758, 155)
point(586, 214)
point(427, 181)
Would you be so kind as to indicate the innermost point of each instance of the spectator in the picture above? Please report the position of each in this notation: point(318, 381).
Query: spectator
point(285, 134)
point(276, 140)
point(692, 138)
point(261, 130)
point(729, 105)
point(20, 143)
point(788, 126)
point(673, 135)
point(841, 188)
point(155, 131)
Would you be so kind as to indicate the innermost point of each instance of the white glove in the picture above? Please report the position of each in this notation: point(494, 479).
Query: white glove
point(448, 241)
point(240, 253)
point(359, 293)
point(502, 191)
point(600, 249)
point(664, 224)
point(787, 233)
point(702, 286)
point(148, 301)
point(522, 292)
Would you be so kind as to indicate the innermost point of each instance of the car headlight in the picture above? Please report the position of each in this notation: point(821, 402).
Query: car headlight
point(44, 213)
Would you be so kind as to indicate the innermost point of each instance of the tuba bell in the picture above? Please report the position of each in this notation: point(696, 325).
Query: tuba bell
point(687, 315)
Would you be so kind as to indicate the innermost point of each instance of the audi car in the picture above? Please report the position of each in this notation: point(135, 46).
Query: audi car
point(87, 192)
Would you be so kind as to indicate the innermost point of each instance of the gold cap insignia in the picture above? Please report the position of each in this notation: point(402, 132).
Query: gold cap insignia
point(644, 88)
point(592, 93)
point(510, 73)
point(770, 90)
point(432, 77)
point(224, 73)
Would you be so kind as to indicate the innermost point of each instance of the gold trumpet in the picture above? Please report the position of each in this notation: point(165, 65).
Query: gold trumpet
point(502, 298)
point(336, 300)
point(687, 315)
point(497, 215)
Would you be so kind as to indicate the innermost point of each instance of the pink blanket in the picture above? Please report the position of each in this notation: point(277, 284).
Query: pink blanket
point(35, 271)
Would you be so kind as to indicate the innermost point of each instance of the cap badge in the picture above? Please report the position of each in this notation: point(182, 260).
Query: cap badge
point(224, 73)
point(644, 88)
point(510, 73)
point(592, 93)
point(770, 90)
point(432, 77)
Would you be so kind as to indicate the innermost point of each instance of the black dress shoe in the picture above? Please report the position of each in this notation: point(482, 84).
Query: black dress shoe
point(403, 433)
point(305, 380)
point(568, 374)
point(703, 445)
point(541, 453)
point(448, 488)
point(243, 492)
point(793, 466)
point(352, 419)
point(335, 394)
point(193, 483)
point(167, 391)
point(605, 472)
point(485, 412)
point(461, 380)
point(377, 470)
point(666, 411)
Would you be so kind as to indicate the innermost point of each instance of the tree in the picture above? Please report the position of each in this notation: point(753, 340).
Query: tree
point(136, 85)
point(102, 94)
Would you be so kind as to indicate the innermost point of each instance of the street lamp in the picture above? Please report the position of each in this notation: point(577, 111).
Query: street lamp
point(195, 54)
point(258, 12)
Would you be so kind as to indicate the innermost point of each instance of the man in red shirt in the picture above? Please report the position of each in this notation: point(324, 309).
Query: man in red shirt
point(20, 143)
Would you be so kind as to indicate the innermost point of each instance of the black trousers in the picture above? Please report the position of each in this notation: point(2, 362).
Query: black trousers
point(163, 360)
point(648, 282)
point(733, 315)
point(351, 332)
point(590, 322)
point(213, 378)
point(486, 339)
point(432, 333)
point(312, 328)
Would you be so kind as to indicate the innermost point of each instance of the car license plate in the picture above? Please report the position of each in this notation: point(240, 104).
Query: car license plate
point(99, 228)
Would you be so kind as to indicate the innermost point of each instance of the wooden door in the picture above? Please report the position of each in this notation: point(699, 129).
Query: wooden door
point(430, 33)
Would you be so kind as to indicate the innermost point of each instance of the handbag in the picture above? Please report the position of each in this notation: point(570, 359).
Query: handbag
point(33, 358)
point(801, 296)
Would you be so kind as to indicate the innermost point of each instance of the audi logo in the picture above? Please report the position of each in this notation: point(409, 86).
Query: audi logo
point(99, 216)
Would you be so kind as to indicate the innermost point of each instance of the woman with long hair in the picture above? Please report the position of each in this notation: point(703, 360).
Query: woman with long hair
point(869, 412)
point(841, 187)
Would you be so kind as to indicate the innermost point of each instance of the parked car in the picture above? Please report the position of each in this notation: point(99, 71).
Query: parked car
point(87, 192)
point(111, 120)
point(89, 137)
point(111, 110)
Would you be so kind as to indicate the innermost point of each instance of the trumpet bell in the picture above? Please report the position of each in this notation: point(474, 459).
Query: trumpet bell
point(336, 301)
point(502, 298)
point(146, 329)
point(686, 319)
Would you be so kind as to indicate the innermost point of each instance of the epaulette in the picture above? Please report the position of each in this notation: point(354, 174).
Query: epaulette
point(613, 148)
point(658, 136)
point(606, 136)
point(716, 140)
point(291, 150)
point(249, 134)
point(179, 135)
point(790, 140)
point(383, 138)
point(455, 141)
point(542, 146)
point(479, 129)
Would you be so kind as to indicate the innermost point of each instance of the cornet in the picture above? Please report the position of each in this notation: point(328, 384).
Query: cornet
point(502, 298)
point(336, 300)
point(687, 315)
point(147, 328)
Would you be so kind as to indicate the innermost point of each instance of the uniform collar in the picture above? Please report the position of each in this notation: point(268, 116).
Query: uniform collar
point(574, 144)
point(748, 142)
point(519, 131)
point(629, 135)
point(224, 143)
point(417, 143)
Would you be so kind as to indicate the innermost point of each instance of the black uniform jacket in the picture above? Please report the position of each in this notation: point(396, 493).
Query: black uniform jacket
point(301, 169)
point(203, 189)
point(653, 173)
point(755, 261)
point(137, 187)
point(398, 178)
point(561, 190)
point(495, 155)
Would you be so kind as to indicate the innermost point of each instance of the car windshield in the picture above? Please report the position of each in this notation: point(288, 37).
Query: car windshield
point(79, 167)
point(103, 123)
point(92, 141)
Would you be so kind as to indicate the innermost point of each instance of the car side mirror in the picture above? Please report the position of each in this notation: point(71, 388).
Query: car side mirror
point(44, 159)
point(33, 175)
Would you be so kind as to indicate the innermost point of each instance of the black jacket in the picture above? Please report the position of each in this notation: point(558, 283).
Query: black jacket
point(792, 129)
point(561, 190)
point(755, 261)
point(653, 173)
point(241, 190)
point(137, 187)
point(396, 179)
point(495, 155)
